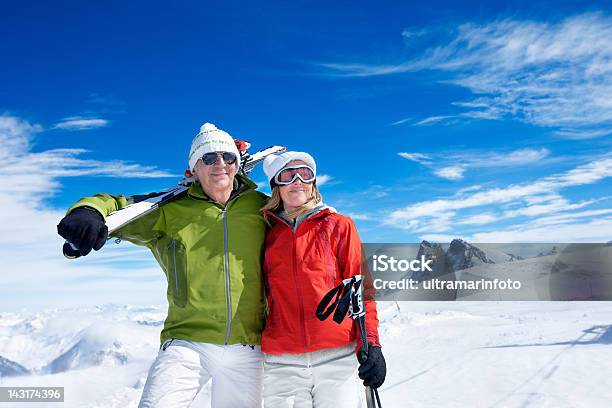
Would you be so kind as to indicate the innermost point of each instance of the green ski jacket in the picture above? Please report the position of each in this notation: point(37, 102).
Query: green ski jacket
point(211, 255)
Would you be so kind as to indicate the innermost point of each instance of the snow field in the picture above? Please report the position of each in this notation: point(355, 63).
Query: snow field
point(439, 354)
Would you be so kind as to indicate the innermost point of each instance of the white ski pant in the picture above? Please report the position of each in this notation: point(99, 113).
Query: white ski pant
point(321, 379)
point(183, 367)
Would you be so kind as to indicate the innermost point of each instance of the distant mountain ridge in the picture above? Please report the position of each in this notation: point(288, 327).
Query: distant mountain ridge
point(86, 353)
point(462, 255)
point(9, 368)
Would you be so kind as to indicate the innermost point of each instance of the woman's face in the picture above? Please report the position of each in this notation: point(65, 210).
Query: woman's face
point(296, 193)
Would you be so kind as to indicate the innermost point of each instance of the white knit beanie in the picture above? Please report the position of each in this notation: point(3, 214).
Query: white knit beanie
point(274, 163)
point(211, 139)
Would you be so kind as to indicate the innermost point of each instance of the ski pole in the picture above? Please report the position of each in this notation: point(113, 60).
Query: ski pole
point(349, 300)
point(372, 397)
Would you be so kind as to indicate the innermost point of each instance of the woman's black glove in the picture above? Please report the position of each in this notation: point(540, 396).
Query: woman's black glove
point(84, 227)
point(373, 369)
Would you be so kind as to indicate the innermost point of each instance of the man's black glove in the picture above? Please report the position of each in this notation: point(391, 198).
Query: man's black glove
point(373, 369)
point(84, 227)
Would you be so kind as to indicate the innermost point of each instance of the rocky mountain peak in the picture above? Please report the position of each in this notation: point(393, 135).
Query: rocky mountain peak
point(462, 255)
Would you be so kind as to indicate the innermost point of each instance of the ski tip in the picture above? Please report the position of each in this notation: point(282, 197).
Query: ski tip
point(242, 145)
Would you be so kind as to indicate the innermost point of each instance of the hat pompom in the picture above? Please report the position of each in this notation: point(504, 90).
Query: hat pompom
point(211, 139)
point(207, 127)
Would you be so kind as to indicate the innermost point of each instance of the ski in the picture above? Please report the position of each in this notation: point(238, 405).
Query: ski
point(145, 204)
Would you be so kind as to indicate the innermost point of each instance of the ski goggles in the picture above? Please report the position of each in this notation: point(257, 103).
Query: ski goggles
point(289, 174)
point(211, 158)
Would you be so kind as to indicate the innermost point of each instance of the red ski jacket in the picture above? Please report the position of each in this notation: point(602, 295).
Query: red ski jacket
point(299, 269)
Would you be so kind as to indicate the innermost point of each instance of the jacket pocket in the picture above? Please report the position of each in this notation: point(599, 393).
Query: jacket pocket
point(177, 272)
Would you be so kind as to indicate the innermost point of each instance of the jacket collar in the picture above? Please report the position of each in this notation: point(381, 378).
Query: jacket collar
point(320, 211)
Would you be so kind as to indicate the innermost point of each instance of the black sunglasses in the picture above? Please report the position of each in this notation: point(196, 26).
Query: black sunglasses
point(211, 158)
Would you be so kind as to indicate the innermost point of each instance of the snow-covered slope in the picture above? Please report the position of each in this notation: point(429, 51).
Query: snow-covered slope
point(498, 354)
point(532, 273)
point(439, 354)
point(58, 340)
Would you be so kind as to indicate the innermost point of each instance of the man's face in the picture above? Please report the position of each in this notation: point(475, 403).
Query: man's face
point(216, 177)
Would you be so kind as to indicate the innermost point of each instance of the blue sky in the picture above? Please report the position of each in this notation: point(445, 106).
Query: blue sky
point(486, 121)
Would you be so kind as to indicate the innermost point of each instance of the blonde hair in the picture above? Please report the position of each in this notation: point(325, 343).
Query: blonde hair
point(275, 203)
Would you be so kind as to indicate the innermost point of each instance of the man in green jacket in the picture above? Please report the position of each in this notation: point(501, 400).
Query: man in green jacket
point(209, 244)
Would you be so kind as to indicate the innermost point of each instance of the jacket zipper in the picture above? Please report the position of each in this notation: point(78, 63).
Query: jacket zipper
point(176, 283)
point(228, 293)
point(298, 288)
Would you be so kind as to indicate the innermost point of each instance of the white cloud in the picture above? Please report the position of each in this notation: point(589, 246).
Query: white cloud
point(399, 122)
point(29, 245)
point(453, 165)
point(468, 189)
point(540, 197)
point(417, 157)
point(450, 172)
point(365, 70)
point(432, 120)
point(553, 74)
point(479, 158)
point(375, 191)
point(359, 216)
point(104, 100)
point(582, 134)
point(599, 230)
point(442, 237)
point(80, 123)
point(543, 198)
point(514, 158)
point(441, 222)
point(11, 131)
point(479, 219)
point(410, 34)
point(323, 179)
point(587, 174)
point(550, 207)
point(560, 228)
point(566, 218)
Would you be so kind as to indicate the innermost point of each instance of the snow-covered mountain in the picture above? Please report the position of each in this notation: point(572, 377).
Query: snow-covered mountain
point(513, 258)
point(463, 255)
point(459, 255)
point(10, 368)
point(95, 345)
point(55, 341)
point(441, 267)
point(552, 251)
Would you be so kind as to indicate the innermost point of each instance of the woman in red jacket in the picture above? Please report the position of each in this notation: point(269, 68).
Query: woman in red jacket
point(310, 249)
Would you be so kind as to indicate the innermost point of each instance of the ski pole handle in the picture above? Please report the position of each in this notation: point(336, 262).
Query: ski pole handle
point(70, 251)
